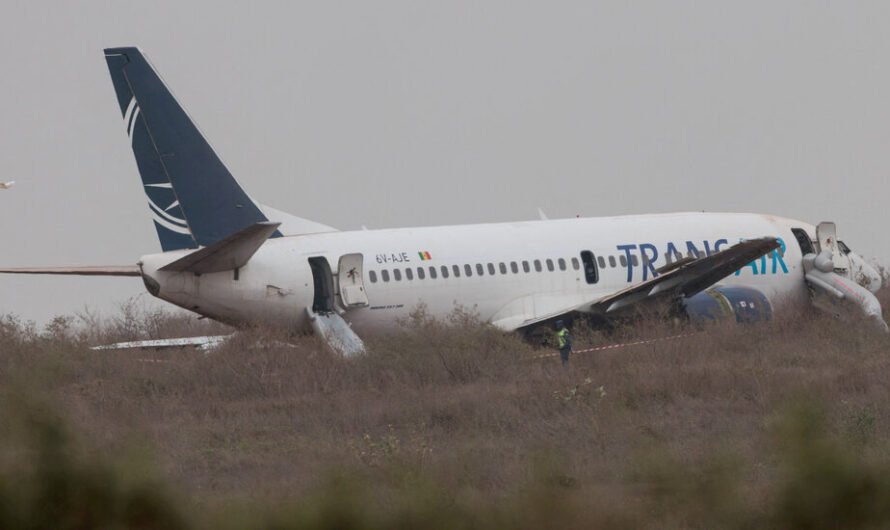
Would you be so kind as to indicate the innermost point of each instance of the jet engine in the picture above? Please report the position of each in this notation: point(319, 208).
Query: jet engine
point(744, 304)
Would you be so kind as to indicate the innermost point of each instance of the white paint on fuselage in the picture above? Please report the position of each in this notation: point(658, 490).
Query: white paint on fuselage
point(276, 285)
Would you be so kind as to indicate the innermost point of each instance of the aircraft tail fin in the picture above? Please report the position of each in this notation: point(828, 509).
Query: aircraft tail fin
point(194, 200)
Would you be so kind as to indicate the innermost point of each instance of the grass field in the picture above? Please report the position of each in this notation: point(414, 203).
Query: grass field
point(445, 425)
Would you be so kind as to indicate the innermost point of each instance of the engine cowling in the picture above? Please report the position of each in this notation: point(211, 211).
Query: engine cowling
point(743, 304)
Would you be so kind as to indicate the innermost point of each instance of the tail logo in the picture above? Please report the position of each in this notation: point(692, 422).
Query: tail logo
point(161, 191)
point(130, 117)
point(162, 216)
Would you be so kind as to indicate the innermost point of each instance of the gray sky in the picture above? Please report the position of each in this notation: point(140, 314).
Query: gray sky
point(412, 113)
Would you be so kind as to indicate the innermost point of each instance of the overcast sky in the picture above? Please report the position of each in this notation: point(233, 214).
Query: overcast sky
point(391, 114)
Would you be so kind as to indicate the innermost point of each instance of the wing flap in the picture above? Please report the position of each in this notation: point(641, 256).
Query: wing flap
point(229, 253)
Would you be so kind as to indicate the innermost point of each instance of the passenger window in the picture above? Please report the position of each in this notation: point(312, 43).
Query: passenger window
point(468, 270)
point(525, 267)
point(503, 267)
point(537, 265)
point(562, 264)
point(480, 270)
point(590, 272)
point(622, 260)
point(409, 274)
point(373, 276)
point(612, 262)
point(575, 263)
point(550, 265)
point(599, 261)
point(456, 269)
point(397, 275)
point(433, 273)
point(635, 261)
point(514, 267)
point(420, 273)
point(491, 269)
point(444, 271)
point(385, 275)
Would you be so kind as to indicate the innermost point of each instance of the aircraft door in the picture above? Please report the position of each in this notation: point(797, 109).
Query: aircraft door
point(323, 285)
point(826, 235)
point(350, 277)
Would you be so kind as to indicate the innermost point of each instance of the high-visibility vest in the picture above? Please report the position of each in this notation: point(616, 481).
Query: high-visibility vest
point(563, 337)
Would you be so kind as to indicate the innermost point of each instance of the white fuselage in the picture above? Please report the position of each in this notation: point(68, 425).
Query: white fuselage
point(537, 267)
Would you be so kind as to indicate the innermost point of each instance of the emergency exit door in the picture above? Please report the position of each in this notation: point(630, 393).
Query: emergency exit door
point(350, 277)
point(826, 235)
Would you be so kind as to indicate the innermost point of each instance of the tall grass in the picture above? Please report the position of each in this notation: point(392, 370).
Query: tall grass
point(445, 424)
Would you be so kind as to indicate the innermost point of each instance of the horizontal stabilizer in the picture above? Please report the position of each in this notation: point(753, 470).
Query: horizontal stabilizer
point(122, 270)
point(227, 254)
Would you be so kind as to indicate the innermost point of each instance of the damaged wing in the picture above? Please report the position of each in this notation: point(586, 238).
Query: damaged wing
point(683, 278)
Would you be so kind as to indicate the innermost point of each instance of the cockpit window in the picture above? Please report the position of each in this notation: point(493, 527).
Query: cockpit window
point(844, 248)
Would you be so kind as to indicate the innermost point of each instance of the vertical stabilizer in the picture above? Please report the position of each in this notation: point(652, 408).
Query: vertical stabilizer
point(194, 200)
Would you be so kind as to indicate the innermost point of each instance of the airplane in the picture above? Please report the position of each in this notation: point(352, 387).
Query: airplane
point(229, 258)
point(7, 185)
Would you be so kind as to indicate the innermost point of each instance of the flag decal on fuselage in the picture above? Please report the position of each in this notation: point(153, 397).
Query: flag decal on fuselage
point(424, 255)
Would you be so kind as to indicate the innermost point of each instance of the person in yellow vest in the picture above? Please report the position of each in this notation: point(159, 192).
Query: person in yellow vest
point(564, 341)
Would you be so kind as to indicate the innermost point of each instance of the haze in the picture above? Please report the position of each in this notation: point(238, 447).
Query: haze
point(391, 114)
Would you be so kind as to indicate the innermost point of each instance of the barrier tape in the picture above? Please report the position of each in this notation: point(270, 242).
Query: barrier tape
point(620, 345)
point(156, 361)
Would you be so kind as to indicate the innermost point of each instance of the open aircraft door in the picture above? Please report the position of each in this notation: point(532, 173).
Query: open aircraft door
point(350, 277)
point(826, 235)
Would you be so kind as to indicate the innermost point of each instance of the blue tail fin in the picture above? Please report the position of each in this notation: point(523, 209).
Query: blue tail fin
point(193, 198)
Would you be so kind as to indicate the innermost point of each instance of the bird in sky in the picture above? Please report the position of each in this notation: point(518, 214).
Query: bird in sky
point(6, 185)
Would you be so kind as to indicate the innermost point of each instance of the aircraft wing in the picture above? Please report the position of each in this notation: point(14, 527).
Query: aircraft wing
point(204, 343)
point(113, 270)
point(683, 278)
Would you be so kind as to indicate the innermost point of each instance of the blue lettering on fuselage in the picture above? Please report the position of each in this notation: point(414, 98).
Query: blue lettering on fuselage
point(627, 256)
point(649, 256)
point(776, 257)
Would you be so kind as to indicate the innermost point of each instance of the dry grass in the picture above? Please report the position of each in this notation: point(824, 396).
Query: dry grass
point(454, 424)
